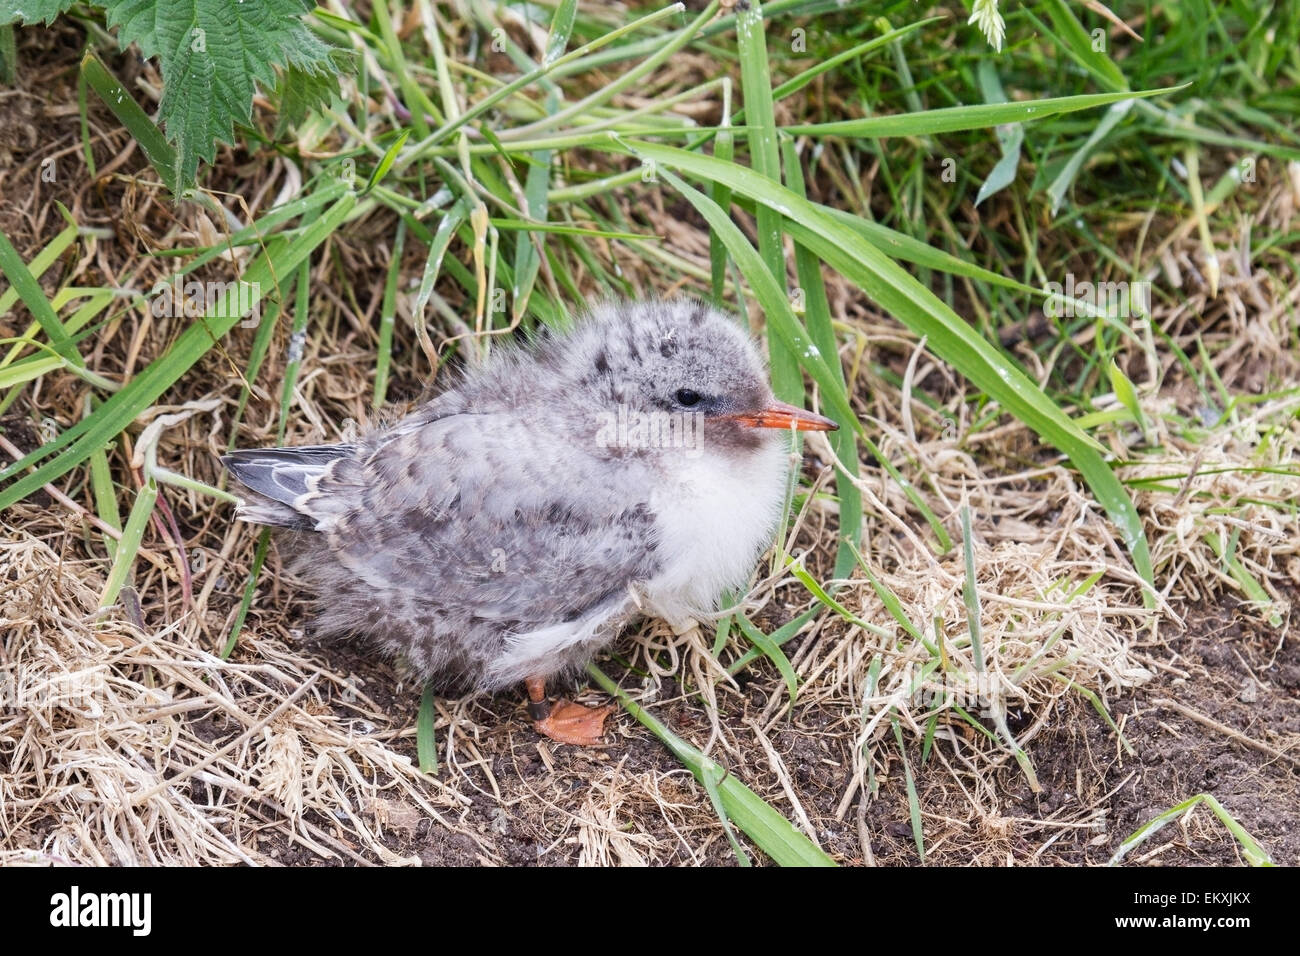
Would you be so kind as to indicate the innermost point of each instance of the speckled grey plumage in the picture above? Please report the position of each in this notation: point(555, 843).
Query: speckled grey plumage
point(497, 533)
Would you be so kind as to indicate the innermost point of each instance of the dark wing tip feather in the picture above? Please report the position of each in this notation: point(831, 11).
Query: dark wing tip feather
point(281, 474)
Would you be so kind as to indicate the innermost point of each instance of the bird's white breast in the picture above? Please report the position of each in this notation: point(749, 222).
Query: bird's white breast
point(713, 520)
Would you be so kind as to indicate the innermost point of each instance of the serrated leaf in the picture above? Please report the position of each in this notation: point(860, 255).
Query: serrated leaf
point(214, 54)
point(302, 91)
point(32, 11)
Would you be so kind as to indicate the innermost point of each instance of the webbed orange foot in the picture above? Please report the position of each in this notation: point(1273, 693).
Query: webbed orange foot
point(565, 721)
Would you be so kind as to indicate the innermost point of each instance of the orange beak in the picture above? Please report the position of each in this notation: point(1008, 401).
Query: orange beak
point(780, 415)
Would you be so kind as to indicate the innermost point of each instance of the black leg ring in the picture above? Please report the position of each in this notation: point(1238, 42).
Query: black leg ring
point(539, 709)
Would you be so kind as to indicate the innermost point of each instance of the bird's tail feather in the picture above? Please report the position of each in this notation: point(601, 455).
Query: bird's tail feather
point(278, 477)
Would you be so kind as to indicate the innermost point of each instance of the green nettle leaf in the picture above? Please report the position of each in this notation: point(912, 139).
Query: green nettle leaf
point(213, 55)
point(302, 91)
point(32, 11)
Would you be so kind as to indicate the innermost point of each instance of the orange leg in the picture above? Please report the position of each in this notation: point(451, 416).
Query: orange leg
point(565, 721)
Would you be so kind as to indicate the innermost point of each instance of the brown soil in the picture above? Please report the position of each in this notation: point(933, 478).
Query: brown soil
point(1093, 796)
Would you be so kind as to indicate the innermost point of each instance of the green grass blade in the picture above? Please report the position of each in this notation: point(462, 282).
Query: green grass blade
point(415, 99)
point(250, 590)
point(527, 260)
point(819, 592)
point(31, 368)
point(947, 335)
point(437, 249)
point(129, 545)
point(711, 781)
point(154, 145)
point(122, 408)
point(1254, 853)
point(1065, 179)
point(257, 353)
point(772, 832)
point(1253, 590)
point(388, 317)
point(1101, 710)
point(29, 290)
point(777, 637)
point(888, 598)
point(566, 13)
point(970, 595)
point(255, 234)
point(817, 310)
point(1010, 136)
point(900, 246)
point(40, 263)
point(426, 744)
point(952, 119)
point(913, 799)
point(8, 55)
point(724, 149)
point(386, 163)
point(853, 53)
point(764, 151)
point(1126, 394)
point(297, 342)
point(772, 651)
point(105, 494)
point(1071, 37)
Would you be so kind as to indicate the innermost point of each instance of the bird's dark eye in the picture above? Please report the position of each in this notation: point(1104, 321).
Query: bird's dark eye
point(687, 397)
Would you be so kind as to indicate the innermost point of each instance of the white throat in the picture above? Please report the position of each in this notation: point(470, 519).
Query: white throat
point(713, 519)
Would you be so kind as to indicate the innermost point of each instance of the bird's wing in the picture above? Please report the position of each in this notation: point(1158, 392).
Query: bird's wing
point(479, 514)
point(278, 477)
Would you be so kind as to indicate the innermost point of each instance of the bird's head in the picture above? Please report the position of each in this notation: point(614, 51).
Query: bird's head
point(662, 372)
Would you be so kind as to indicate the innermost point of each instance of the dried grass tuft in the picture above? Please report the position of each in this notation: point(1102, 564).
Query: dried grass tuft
point(130, 747)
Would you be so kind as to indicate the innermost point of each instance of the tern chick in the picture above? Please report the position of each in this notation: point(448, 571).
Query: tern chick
point(510, 527)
